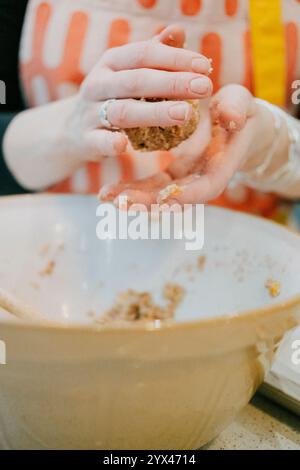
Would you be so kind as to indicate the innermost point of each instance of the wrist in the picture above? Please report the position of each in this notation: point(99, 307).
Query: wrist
point(39, 148)
point(69, 131)
point(264, 135)
point(270, 169)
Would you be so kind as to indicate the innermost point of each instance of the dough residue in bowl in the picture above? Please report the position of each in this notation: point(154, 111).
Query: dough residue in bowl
point(132, 306)
point(274, 287)
point(49, 268)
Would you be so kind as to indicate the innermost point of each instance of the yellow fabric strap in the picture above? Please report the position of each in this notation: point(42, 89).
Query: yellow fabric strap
point(268, 49)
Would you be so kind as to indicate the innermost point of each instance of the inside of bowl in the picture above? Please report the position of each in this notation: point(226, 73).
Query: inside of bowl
point(51, 258)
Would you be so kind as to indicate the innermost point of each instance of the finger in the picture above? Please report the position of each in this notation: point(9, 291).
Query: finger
point(218, 169)
point(103, 143)
point(220, 137)
point(173, 35)
point(155, 55)
point(125, 199)
point(152, 183)
point(133, 113)
point(146, 83)
point(232, 106)
point(191, 150)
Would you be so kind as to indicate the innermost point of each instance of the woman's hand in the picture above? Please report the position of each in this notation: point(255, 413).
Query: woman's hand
point(47, 144)
point(158, 68)
point(234, 133)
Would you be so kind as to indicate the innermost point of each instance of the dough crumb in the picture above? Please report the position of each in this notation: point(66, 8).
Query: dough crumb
point(48, 270)
point(132, 306)
point(201, 262)
point(169, 191)
point(150, 139)
point(174, 294)
point(274, 287)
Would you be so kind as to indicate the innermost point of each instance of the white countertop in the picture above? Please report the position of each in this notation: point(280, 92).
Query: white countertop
point(262, 425)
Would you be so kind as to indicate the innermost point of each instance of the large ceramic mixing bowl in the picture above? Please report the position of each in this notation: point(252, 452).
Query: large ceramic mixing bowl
point(146, 386)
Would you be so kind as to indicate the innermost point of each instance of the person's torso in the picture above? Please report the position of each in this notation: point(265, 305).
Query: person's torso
point(63, 39)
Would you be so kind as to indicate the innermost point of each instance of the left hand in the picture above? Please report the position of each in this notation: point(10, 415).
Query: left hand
point(234, 132)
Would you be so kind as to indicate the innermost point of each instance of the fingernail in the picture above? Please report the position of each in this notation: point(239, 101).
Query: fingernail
point(200, 65)
point(180, 112)
point(200, 86)
point(120, 143)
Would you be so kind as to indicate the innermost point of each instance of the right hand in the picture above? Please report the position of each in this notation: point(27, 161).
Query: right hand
point(158, 68)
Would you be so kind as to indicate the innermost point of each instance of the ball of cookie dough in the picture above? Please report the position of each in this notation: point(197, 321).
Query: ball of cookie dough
point(149, 139)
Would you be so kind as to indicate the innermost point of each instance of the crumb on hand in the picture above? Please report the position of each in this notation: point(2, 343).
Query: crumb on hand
point(169, 191)
point(274, 287)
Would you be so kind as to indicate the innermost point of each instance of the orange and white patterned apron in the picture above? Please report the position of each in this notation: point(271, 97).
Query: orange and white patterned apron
point(251, 43)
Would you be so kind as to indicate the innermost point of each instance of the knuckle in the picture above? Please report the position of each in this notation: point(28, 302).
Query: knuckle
point(87, 87)
point(121, 115)
point(176, 86)
point(110, 56)
point(141, 54)
point(177, 61)
point(148, 49)
point(159, 112)
point(132, 82)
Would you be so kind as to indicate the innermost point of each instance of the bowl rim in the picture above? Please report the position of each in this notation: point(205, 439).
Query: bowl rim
point(152, 326)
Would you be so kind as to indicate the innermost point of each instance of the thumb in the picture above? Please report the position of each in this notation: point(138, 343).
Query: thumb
point(173, 36)
point(232, 106)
